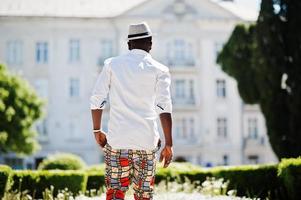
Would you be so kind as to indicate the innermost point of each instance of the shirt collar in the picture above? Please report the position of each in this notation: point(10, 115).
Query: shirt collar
point(139, 52)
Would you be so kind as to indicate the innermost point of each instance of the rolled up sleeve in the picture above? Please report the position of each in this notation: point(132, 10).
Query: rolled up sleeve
point(101, 88)
point(163, 97)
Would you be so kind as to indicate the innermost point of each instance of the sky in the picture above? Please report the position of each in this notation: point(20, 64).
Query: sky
point(246, 9)
point(253, 4)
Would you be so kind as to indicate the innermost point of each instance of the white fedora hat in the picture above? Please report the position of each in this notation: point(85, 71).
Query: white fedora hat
point(138, 31)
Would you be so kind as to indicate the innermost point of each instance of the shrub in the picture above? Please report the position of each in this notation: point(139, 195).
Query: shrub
point(177, 171)
point(96, 177)
point(64, 161)
point(290, 173)
point(37, 181)
point(256, 181)
point(96, 180)
point(5, 174)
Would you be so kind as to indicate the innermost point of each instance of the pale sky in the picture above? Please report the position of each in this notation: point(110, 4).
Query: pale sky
point(246, 9)
point(253, 4)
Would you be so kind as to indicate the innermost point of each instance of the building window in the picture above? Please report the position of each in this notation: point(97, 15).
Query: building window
point(199, 159)
point(74, 129)
point(42, 127)
point(74, 50)
point(252, 128)
point(106, 48)
point(221, 88)
point(14, 52)
point(15, 163)
point(218, 47)
point(179, 52)
point(253, 159)
point(180, 89)
point(74, 87)
point(191, 128)
point(222, 127)
point(41, 86)
point(225, 160)
point(184, 92)
point(191, 89)
point(185, 128)
point(41, 52)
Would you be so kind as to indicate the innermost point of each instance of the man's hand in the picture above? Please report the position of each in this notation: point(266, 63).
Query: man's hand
point(166, 153)
point(100, 138)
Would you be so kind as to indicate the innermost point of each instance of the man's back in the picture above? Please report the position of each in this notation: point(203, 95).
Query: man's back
point(139, 90)
point(138, 87)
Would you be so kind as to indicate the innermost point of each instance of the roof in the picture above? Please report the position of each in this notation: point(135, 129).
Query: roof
point(93, 8)
point(66, 8)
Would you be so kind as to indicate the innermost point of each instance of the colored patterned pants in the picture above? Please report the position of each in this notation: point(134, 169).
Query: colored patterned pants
point(126, 166)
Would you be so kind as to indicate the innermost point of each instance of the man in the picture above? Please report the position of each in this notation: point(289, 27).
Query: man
point(139, 92)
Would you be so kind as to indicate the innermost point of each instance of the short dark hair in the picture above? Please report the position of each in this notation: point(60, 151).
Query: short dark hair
point(141, 40)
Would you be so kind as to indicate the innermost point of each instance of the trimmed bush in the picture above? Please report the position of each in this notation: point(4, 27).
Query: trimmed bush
point(5, 174)
point(290, 173)
point(96, 177)
point(256, 181)
point(64, 161)
point(37, 181)
point(96, 180)
point(177, 171)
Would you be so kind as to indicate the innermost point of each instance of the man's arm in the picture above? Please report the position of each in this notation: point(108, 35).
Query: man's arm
point(164, 109)
point(166, 123)
point(167, 152)
point(100, 136)
point(98, 101)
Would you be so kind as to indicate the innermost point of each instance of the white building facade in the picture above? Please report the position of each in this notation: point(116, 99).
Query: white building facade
point(60, 50)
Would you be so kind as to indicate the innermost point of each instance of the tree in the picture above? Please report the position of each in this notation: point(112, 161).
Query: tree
point(20, 107)
point(265, 60)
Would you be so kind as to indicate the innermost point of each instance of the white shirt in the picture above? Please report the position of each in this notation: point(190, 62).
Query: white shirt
point(139, 90)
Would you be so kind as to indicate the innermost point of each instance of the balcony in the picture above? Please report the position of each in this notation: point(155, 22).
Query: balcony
point(180, 63)
point(175, 65)
point(254, 145)
point(184, 103)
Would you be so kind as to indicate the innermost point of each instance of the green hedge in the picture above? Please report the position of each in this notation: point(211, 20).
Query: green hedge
point(96, 177)
point(65, 161)
point(177, 171)
point(290, 173)
point(277, 182)
point(5, 173)
point(37, 181)
point(256, 181)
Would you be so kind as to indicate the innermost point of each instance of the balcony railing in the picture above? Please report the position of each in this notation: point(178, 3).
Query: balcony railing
point(180, 63)
point(259, 141)
point(186, 101)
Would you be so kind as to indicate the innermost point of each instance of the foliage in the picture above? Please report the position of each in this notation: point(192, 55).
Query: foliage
point(179, 171)
point(17, 195)
point(20, 107)
point(265, 60)
point(37, 181)
point(290, 173)
point(5, 172)
point(96, 180)
point(255, 181)
point(214, 187)
point(64, 161)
